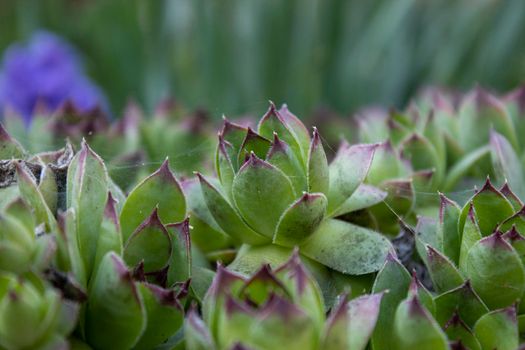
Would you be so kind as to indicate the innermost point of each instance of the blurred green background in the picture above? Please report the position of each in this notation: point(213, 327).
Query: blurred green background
point(231, 56)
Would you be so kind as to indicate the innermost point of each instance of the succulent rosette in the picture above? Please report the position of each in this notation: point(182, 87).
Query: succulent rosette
point(277, 309)
point(276, 191)
point(474, 256)
point(446, 142)
point(123, 261)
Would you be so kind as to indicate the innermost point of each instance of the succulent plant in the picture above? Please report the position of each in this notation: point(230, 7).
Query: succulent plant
point(70, 236)
point(412, 317)
point(446, 142)
point(242, 313)
point(138, 143)
point(276, 190)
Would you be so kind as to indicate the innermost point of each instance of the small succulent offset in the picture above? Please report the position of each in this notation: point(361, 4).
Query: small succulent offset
point(279, 308)
point(446, 142)
point(77, 255)
point(276, 191)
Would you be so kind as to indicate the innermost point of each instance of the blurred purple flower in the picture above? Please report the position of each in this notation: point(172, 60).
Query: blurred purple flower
point(45, 71)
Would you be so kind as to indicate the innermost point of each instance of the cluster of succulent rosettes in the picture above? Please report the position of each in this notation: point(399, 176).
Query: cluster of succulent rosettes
point(474, 255)
point(279, 308)
point(276, 190)
point(70, 240)
point(413, 318)
point(138, 144)
point(447, 141)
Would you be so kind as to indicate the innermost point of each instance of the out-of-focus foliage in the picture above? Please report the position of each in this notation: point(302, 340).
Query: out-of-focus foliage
point(233, 55)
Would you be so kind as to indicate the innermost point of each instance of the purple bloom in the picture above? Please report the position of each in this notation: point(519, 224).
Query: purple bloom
point(48, 71)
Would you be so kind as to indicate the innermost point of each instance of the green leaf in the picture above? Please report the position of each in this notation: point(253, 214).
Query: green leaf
point(318, 172)
point(505, 190)
point(196, 334)
point(495, 271)
point(457, 330)
point(9, 147)
point(262, 193)
point(281, 156)
point(449, 213)
point(297, 128)
point(445, 276)
point(490, 208)
point(463, 166)
point(115, 314)
point(234, 135)
point(423, 156)
point(415, 329)
point(150, 243)
point(498, 330)
point(180, 259)
point(365, 196)
point(110, 238)
point(471, 235)
point(479, 113)
point(351, 323)
point(87, 194)
point(224, 166)
point(253, 143)
point(164, 315)
point(49, 188)
point(226, 217)
point(347, 171)
point(394, 278)
point(160, 190)
point(347, 248)
point(272, 122)
point(300, 220)
point(506, 163)
point(462, 300)
point(31, 194)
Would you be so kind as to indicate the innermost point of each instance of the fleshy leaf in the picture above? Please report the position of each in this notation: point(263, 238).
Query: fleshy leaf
point(479, 113)
point(505, 190)
point(318, 171)
point(164, 314)
point(394, 278)
point(347, 171)
point(253, 143)
point(87, 194)
point(300, 220)
point(295, 125)
point(490, 208)
point(495, 271)
point(226, 217)
point(224, 166)
point(415, 329)
point(9, 147)
point(180, 260)
point(281, 156)
point(161, 190)
point(365, 196)
point(272, 122)
point(115, 315)
point(31, 194)
point(498, 330)
point(234, 135)
point(347, 248)
point(262, 193)
point(423, 156)
point(150, 243)
point(445, 276)
point(351, 323)
point(449, 213)
point(197, 335)
point(506, 163)
point(462, 300)
point(471, 235)
point(457, 330)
